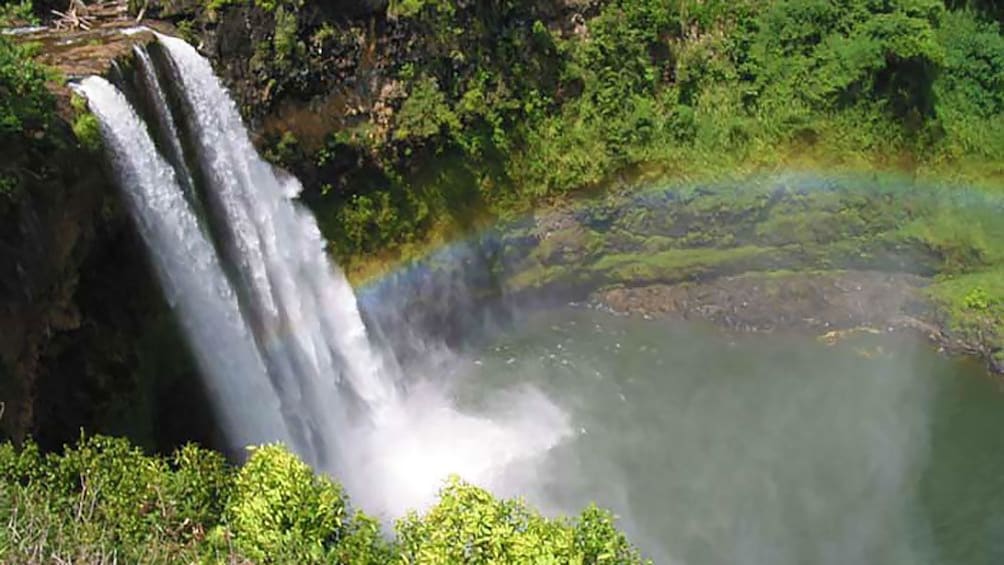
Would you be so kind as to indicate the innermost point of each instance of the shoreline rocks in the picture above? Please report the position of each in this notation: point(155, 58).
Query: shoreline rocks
point(832, 305)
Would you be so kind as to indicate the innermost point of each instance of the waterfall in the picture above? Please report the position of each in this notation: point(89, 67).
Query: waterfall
point(308, 326)
point(189, 271)
point(274, 323)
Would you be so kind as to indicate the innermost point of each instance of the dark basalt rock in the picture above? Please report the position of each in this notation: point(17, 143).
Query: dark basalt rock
point(997, 362)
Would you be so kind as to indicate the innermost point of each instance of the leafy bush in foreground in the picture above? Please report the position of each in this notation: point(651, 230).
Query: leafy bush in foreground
point(103, 501)
point(470, 526)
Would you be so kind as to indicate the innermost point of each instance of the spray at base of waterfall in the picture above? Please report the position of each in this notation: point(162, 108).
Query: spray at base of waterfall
point(402, 460)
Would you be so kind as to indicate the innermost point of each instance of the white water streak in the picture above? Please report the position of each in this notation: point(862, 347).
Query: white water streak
point(156, 93)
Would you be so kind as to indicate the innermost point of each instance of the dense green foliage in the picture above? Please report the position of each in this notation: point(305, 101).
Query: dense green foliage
point(26, 114)
point(19, 12)
point(29, 134)
point(971, 88)
point(506, 104)
point(105, 501)
point(85, 125)
point(470, 526)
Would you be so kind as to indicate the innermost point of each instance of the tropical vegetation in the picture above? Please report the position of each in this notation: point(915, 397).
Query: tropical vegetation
point(104, 501)
point(26, 108)
point(506, 105)
point(498, 107)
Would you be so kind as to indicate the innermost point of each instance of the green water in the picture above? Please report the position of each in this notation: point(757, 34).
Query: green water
point(761, 449)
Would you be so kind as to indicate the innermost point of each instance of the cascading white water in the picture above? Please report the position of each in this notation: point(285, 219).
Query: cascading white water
point(341, 404)
point(309, 328)
point(189, 272)
point(152, 85)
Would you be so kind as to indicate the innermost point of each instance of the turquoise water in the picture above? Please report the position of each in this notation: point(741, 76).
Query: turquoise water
point(760, 449)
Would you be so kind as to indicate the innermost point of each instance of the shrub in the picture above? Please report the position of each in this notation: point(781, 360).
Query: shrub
point(286, 42)
point(27, 111)
point(104, 500)
point(115, 485)
point(280, 509)
point(198, 488)
point(25, 102)
point(85, 125)
point(412, 8)
point(977, 299)
point(425, 112)
point(18, 12)
point(471, 526)
point(970, 89)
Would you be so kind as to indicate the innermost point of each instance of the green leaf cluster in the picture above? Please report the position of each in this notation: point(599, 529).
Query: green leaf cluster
point(425, 113)
point(18, 12)
point(281, 508)
point(471, 526)
point(85, 125)
point(27, 113)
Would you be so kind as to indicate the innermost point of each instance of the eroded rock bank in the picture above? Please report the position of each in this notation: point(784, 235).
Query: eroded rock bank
point(829, 305)
point(817, 302)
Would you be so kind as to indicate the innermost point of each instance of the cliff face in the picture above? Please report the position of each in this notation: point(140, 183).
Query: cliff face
point(86, 339)
point(48, 234)
point(345, 61)
point(325, 85)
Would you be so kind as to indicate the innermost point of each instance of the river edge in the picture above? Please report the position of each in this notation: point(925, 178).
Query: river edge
point(831, 306)
point(822, 253)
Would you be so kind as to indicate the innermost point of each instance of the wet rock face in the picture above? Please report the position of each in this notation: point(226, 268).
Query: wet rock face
point(324, 66)
point(80, 53)
point(997, 363)
point(46, 232)
point(175, 9)
point(239, 40)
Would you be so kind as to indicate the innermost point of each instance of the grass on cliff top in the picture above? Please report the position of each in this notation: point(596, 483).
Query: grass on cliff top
point(674, 265)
